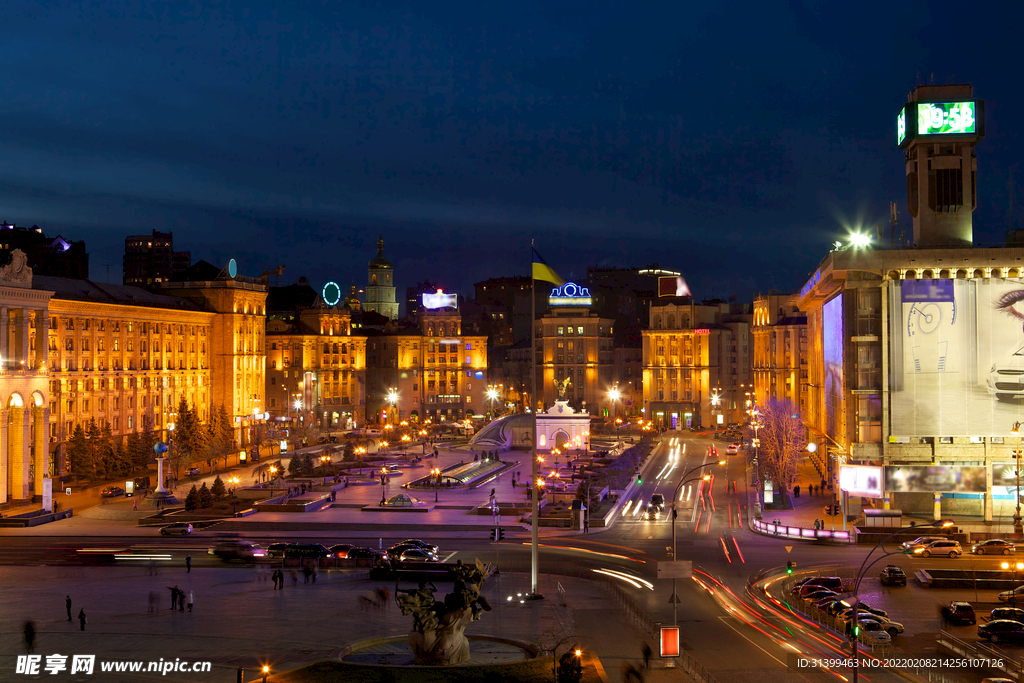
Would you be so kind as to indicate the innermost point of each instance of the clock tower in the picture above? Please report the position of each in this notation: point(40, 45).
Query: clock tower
point(380, 285)
point(938, 128)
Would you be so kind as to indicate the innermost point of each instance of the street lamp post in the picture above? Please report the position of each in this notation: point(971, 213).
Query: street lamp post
point(436, 474)
point(854, 625)
point(392, 399)
point(1017, 526)
point(613, 396)
point(675, 498)
point(383, 485)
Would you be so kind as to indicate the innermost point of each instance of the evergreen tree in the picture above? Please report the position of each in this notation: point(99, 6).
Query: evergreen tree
point(306, 466)
point(192, 499)
point(349, 453)
point(294, 467)
point(78, 453)
point(105, 451)
point(133, 452)
point(122, 462)
point(93, 435)
point(147, 439)
point(218, 489)
point(205, 496)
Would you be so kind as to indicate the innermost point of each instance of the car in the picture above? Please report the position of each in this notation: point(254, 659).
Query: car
point(652, 512)
point(418, 555)
point(1001, 630)
point(868, 609)
point(1004, 380)
point(872, 632)
point(360, 553)
point(957, 612)
point(658, 501)
point(818, 595)
point(306, 551)
point(192, 471)
point(838, 607)
point(893, 628)
point(733, 449)
point(826, 601)
point(276, 549)
point(399, 548)
point(832, 583)
point(1012, 596)
point(112, 492)
point(920, 542)
point(419, 544)
point(863, 610)
point(180, 528)
point(237, 550)
point(892, 575)
point(1012, 613)
point(340, 550)
point(943, 547)
point(993, 546)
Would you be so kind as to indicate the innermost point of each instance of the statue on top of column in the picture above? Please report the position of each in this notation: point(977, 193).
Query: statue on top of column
point(16, 273)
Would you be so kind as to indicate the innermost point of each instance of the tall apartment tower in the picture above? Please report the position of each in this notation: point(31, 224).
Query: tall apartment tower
point(151, 259)
point(380, 285)
point(938, 128)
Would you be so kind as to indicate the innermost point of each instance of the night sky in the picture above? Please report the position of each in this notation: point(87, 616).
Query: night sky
point(732, 142)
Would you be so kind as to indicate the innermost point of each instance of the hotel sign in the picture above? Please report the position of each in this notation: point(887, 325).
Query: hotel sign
point(570, 294)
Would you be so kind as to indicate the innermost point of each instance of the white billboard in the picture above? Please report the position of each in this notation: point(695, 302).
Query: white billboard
point(440, 300)
point(957, 357)
point(861, 480)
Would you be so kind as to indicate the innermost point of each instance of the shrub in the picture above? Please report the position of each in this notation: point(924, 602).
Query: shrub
point(218, 489)
point(192, 499)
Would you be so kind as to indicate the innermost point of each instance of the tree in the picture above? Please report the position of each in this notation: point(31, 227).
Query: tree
point(220, 435)
point(349, 453)
point(189, 439)
point(192, 499)
point(306, 464)
point(79, 464)
point(105, 451)
point(133, 451)
point(782, 442)
point(263, 434)
point(294, 467)
point(205, 496)
point(93, 435)
point(218, 489)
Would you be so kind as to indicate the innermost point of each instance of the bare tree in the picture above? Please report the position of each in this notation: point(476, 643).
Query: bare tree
point(782, 441)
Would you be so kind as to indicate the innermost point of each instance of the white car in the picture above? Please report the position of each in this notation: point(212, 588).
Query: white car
point(1005, 380)
point(920, 542)
point(1017, 594)
point(733, 449)
point(893, 628)
point(943, 547)
point(871, 632)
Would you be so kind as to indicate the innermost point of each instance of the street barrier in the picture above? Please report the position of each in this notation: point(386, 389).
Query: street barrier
point(981, 652)
point(800, 533)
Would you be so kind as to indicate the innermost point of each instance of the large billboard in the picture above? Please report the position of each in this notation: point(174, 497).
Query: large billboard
point(860, 480)
point(934, 479)
point(832, 348)
point(956, 357)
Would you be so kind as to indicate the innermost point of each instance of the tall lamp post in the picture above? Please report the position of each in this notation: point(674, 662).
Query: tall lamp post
point(613, 396)
point(1018, 528)
point(392, 399)
point(854, 624)
point(492, 395)
point(383, 485)
point(675, 498)
point(436, 474)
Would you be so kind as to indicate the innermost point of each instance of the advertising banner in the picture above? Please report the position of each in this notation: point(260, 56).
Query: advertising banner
point(934, 479)
point(957, 357)
point(832, 345)
point(860, 480)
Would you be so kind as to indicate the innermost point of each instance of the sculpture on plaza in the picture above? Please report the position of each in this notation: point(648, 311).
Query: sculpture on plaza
point(562, 386)
point(438, 634)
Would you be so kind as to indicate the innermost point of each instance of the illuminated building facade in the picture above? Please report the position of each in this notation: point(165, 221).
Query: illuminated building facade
point(697, 364)
point(575, 346)
point(779, 332)
point(380, 285)
point(316, 368)
point(435, 369)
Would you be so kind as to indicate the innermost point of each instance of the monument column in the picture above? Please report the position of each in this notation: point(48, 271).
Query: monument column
point(5, 461)
point(17, 447)
point(5, 337)
point(40, 449)
point(42, 337)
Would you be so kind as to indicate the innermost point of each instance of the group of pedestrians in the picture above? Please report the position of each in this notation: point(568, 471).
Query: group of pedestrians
point(82, 620)
point(179, 597)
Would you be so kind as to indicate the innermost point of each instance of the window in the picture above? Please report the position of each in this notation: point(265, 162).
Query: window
point(561, 330)
point(469, 360)
point(469, 346)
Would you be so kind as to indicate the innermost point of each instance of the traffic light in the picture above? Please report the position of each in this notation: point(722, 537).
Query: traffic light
point(856, 631)
point(789, 566)
point(494, 534)
point(501, 533)
point(639, 480)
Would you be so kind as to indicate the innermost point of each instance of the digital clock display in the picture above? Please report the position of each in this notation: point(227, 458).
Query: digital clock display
point(945, 118)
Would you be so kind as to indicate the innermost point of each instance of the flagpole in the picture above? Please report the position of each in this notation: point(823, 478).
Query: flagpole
point(535, 493)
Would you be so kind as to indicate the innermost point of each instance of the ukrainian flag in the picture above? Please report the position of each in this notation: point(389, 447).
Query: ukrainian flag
point(542, 271)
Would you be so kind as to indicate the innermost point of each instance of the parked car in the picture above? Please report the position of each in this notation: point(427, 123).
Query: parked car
point(305, 551)
point(871, 632)
point(863, 610)
point(828, 600)
point(112, 492)
point(360, 553)
point(993, 546)
point(892, 575)
point(893, 628)
point(192, 471)
point(1001, 630)
point(420, 544)
point(959, 613)
point(1012, 613)
point(276, 549)
point(943, 547)
point(832, 583)
point(340, 550)
point(919, 542)
point(819, 594)
point(838, 607)
point(865, 607)
point(179, 528)
point(1012, 596)
point(418, 555)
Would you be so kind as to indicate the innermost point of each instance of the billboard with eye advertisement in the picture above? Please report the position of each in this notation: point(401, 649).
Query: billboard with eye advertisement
point(956, 357)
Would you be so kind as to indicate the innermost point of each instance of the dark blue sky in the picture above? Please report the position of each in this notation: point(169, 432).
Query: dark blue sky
point(731, 142)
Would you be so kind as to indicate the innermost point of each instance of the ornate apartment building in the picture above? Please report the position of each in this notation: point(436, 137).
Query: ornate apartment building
point(316, 369)
point(780, 350)
point(697, 364)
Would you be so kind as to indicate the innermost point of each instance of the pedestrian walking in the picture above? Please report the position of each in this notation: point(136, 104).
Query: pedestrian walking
point(135, 504)
point(67, 604)
point(646, 651)
point(191, 599)
point(315, 572)
point(174, 596)
point(295, 578)
point(30, 637)
point(586, 523)
point(435, 452)
point(273, 577)
point(188, 564)
point(82, 618)
point(306, 573)
point(810, 489)
point(152, 601)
